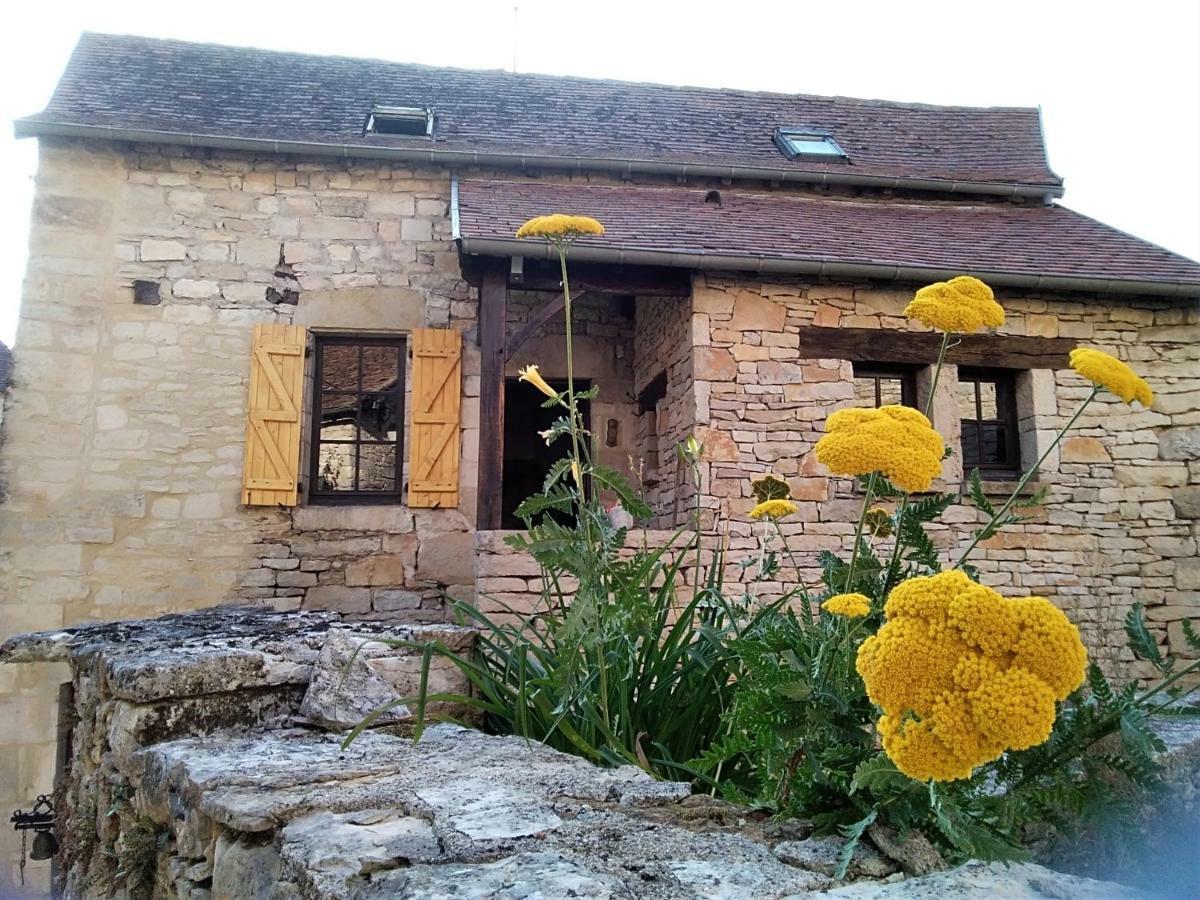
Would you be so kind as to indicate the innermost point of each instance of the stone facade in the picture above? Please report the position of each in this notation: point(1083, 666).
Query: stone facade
point(124, 427)
point(1119, 525)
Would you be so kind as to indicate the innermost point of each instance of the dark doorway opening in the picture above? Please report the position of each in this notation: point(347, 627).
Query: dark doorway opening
point(527, 459)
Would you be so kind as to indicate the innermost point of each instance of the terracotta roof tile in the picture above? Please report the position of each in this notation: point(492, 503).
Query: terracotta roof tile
point(205, 89)
point(997, 237)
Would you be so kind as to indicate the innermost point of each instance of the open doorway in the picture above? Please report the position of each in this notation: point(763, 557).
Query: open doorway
point(527, 459)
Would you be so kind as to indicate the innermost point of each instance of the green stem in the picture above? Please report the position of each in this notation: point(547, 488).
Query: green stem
point(562, 259)
point(1012, 498)
point(862, 518)
point(1167, 682)
point(808, 613)
point(893, 567)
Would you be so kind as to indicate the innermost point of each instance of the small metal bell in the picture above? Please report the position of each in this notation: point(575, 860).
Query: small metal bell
point(45, 845)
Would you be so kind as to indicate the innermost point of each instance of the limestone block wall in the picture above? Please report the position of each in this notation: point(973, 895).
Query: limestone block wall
point(1120, 523)
point(123, 435)
point(663, 349)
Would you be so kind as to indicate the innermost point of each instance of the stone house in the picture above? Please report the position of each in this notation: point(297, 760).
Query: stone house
point(274, 309)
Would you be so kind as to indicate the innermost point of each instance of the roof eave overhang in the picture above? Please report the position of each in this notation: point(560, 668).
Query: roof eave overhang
point(525, 161)
point(774, 265)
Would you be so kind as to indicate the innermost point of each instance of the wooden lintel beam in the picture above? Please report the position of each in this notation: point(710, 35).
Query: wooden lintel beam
point(493, 313)
point(643, 281)
point(921, 348)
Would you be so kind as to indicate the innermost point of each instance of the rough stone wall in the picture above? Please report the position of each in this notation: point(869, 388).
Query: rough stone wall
point(123, 440)
point(1120, 522)
point(663, 344)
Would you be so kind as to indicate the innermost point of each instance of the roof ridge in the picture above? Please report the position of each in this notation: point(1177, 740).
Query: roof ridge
point(612, 82)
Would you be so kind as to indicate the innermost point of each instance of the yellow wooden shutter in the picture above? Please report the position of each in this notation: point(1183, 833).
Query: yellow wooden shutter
point(272, 466)
point(436, 394)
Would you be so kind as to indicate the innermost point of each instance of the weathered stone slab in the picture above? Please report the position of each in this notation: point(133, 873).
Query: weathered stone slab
point(823, 854)
point(526, 876)
point(1023, 881)
point(329, 850)
point(357, 673)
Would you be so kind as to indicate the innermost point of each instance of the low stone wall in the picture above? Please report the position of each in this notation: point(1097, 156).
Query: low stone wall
point(198, 770)
point(219, 672)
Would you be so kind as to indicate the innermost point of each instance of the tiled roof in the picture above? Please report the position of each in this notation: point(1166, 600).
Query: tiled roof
point(208, 91)
point(1015, 244)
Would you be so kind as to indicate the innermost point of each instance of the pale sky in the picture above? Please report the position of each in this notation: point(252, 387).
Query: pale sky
point(1118, 82)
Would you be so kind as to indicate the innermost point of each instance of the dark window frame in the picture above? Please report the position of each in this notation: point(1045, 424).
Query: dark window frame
point(316, 496)
point(1005, 381)
point(906, 374)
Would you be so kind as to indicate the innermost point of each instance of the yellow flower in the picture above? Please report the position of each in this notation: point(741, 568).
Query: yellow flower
point(774, 509)
point(963, 674)
point(1109, 372)
point(559, 227)
point(531, 374)
point(895, 440)
point(770, 487)
point(577, 474)
point(852, 606)
point(963, 304)
point(691, 448)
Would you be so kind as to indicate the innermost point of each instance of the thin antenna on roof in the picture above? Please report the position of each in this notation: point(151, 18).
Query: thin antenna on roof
point(516, 18)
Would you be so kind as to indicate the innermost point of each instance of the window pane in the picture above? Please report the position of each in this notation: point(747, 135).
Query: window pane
point(966, 400)
point(994, 449)
point(377, 467)
point(812, 144)
point(337, 417)
point(335, 467)
point(970, 444)
point(380, 367)
point(378, 417)
point(891, 391)
point(864, 392)
point(987, 400)
point(339, 367)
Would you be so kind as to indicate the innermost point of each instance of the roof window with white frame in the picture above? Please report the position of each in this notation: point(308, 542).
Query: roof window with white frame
point(414, 121)
point(808, 143)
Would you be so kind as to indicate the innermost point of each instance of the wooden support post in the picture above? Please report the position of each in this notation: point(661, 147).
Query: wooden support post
point(493, 307)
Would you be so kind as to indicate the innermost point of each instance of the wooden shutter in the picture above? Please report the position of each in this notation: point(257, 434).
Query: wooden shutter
point(436, 400)
point(272, 466)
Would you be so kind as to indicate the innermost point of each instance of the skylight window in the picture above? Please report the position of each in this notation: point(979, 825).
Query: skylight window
point(814, 143)
point(415, 121)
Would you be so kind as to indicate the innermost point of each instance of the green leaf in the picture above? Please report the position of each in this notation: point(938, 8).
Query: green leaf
point(1141, 642)
point(619, 485)
point(978, 497)
point(1189, 635)
point(880, 776)
point(853, 834)
point(795, 690)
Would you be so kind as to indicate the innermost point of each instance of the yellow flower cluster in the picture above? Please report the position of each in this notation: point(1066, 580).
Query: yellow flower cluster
point(962, 674)
point(963, 304)
point(773, 509)
point(852, 606)
point(559, 227)
point(1109, 372)
point(895, 440)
